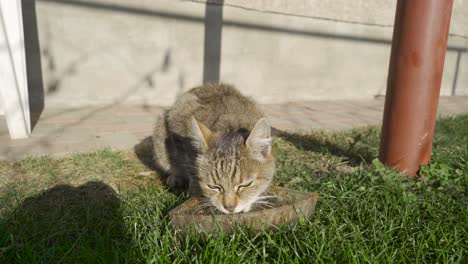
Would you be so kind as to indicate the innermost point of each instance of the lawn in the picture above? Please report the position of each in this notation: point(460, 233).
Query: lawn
point(109, 207)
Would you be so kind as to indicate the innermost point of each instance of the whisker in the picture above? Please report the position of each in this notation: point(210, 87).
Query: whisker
point(204, 204)
point(205, 201)
point(263, 206)
point(198, 210)
point(264, 203)
point(216, 211)
point(266, 197)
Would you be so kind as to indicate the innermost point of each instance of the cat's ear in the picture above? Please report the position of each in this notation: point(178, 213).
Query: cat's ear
point(259, 141)
point(201, 134)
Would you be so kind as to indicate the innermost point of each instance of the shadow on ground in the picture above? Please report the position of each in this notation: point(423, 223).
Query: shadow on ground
point(144, 152)
point(355, 146)
point(71, 224)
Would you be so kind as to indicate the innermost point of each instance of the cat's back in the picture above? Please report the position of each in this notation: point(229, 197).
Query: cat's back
point(218, 106)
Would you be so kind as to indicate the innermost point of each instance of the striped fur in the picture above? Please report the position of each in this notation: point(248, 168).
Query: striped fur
point(217, 142)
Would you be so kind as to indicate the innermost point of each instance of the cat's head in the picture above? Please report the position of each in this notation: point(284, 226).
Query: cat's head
point(234, 169)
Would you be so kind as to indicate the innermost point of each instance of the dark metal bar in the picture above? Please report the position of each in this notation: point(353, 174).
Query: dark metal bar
point(213, 41)
point(415, 73)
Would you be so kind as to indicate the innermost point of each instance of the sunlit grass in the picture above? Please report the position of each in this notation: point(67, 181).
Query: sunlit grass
point(106, 207)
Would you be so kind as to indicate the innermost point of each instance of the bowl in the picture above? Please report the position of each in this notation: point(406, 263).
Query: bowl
point(288, 207)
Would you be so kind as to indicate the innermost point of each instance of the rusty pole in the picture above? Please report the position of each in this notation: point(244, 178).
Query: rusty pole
point(415, 73)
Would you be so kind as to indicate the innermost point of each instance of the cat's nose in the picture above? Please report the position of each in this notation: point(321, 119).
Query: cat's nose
point(230, 208)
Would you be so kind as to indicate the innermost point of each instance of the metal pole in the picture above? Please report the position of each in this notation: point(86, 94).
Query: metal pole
point(213, 41)
point(415, 73)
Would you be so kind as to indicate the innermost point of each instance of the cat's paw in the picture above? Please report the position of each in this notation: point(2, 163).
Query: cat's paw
point(175, 182)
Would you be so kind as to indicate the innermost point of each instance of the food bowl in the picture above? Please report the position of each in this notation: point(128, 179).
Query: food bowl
point(286, 208)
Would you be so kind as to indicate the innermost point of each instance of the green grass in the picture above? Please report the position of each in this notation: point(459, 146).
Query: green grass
point(100, 208)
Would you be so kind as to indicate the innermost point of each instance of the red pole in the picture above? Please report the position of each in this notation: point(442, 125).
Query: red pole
point(415, 74)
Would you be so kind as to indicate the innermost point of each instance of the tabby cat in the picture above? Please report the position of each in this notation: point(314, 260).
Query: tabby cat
point(217, 143)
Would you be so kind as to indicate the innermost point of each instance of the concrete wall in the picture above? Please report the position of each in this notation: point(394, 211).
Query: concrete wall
point(96, 52)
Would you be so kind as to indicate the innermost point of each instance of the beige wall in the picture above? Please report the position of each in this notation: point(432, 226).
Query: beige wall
point(148, 51)
point(375, 12)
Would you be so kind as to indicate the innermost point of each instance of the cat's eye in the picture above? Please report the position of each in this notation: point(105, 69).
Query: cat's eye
point(218, 188)
point(244, 185)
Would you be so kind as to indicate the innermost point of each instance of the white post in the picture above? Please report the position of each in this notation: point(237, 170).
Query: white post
point(1, 105)
point(13, 80)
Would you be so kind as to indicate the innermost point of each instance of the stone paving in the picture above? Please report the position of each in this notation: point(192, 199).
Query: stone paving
point(63, 131)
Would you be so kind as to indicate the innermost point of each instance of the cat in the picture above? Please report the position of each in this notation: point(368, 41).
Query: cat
point(217, 143)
